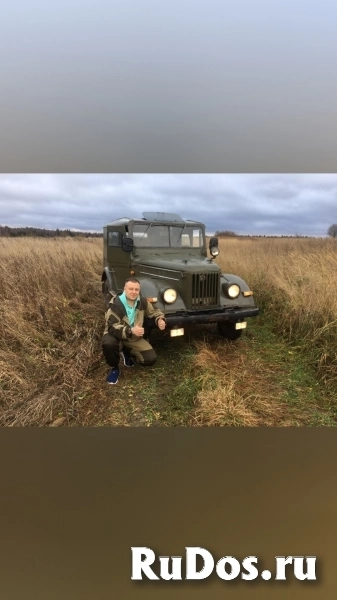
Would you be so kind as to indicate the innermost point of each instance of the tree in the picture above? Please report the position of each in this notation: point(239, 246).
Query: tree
point(225, 233)
point(332, 231)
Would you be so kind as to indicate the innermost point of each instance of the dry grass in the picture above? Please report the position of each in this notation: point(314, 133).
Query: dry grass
point(238, 390)
point(50, 312)
point(223, 399)
point(294, 281)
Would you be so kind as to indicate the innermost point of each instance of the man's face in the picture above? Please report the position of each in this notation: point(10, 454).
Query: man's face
point(132, 290)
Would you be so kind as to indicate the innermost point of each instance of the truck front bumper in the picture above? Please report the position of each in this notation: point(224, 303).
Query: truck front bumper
point(188, 318)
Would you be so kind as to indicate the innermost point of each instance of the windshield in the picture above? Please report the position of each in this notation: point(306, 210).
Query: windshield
point(167, 236)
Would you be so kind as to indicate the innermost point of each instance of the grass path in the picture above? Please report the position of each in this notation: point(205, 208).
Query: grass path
point(260, 380)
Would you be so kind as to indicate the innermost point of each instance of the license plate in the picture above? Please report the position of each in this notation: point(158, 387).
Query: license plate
point(175, 332)
point(242, 325)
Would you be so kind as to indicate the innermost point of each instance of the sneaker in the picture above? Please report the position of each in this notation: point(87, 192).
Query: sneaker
point(128, 362)
point(113, 376)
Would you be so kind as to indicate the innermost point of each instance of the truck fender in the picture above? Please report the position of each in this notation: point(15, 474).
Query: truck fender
point(106, 277)
point(225, 277)
point(153, 289)
point(229, 277)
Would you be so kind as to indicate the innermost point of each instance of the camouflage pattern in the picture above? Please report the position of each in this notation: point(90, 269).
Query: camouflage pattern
point(117, 332)
point(117, 323)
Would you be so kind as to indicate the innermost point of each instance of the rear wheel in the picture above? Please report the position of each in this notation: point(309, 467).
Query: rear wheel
point(228, 331)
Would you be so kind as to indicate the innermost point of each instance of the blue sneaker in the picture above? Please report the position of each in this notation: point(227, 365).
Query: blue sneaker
point(128, 362)
point(113, 376)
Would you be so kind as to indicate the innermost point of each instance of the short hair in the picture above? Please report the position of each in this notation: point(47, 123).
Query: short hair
point(132, 280)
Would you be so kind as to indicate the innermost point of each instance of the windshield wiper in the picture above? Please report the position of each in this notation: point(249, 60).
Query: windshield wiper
point(145, 231)
point(182, 231)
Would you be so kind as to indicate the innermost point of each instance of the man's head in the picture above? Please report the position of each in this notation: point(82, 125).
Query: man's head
point(132, 288)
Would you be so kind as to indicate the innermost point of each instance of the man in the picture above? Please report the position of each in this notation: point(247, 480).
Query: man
point(124, 329)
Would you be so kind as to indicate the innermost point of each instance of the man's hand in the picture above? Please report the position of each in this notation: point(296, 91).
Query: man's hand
point(161, 324)
point(138, 331)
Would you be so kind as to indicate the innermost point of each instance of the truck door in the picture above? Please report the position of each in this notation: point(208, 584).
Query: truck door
point(118, 260)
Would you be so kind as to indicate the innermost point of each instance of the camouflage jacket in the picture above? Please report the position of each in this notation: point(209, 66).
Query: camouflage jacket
point(117, 322)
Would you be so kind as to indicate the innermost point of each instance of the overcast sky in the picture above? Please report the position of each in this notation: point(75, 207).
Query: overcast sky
point(246, 204)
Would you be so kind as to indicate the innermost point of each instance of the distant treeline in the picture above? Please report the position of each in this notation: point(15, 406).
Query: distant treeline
point(233, 234)
point(6, 231)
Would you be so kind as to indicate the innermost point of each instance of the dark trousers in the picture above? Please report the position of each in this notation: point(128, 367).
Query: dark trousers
point(140, 350)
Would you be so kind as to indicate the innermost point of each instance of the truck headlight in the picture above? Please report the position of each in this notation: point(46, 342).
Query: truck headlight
point(169, 295)
point(214, 251)
point(232, 290)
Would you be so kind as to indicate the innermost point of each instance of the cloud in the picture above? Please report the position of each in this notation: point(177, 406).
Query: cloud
point(244, 203)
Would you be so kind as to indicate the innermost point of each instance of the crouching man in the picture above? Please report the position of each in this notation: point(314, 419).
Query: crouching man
point(124, 330)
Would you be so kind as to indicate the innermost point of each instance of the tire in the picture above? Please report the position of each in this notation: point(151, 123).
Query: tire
point(228, 331)
point(107, 294)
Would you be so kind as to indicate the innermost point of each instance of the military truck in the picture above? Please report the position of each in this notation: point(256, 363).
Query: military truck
point(168, 255)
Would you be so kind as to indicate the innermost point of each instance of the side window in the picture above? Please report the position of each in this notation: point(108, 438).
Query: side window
point(114, 238)
point(197, 238)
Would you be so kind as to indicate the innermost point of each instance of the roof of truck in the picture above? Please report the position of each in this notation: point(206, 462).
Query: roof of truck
point(153, 217)
point(120, 221)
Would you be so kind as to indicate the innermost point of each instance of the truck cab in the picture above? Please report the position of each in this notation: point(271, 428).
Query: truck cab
point(169, 257)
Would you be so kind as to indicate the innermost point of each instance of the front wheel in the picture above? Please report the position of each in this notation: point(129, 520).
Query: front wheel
point(228, 331)
point(107, 295)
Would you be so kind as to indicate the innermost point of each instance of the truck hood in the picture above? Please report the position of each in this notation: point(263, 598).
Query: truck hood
point(189, 265)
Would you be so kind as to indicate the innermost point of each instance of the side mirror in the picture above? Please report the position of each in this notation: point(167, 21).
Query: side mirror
point(127, 244)
point(213, 247)
point(213, 242)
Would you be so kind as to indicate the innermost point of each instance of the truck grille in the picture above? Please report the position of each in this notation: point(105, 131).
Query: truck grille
point(205, 290)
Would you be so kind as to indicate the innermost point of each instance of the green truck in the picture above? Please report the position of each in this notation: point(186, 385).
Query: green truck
point(168, 255)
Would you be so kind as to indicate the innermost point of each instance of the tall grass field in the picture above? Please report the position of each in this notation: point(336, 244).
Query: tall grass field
point(52, 372)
